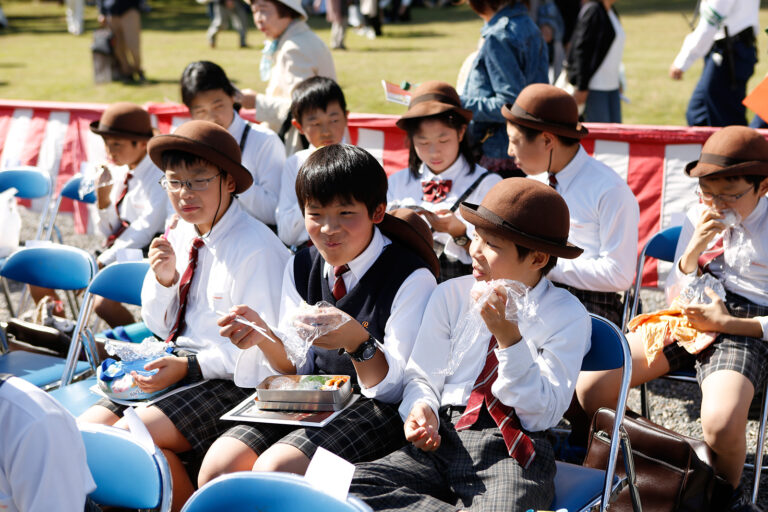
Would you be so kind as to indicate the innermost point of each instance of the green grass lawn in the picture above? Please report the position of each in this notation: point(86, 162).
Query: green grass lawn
point(39, 60)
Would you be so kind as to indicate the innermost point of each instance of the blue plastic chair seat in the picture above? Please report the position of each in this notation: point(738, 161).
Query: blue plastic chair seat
point(39, 369)
point(76, 397)
point(576, 486)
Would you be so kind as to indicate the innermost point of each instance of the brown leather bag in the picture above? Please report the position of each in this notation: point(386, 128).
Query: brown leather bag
point(674, 472)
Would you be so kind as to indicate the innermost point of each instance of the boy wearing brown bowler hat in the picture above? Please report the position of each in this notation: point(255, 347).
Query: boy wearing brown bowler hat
point(733, 179)
point(213, 258)
point(544, 133)
point(476, 432)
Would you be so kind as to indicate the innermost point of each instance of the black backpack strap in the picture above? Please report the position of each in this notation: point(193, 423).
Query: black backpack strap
point(302, 266)
point(244, 136)
point(471, 189)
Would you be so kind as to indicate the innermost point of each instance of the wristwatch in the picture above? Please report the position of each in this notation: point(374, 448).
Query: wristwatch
point(365, 351)
point(461, 240)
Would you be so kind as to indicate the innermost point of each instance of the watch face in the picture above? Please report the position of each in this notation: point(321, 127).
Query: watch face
point(461, 241)
point(369, 352)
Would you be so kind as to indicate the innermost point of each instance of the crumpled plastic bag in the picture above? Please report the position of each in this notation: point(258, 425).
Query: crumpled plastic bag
point(114, 377)
point(306, 324)
point(471, 325)
point(739, 250)
point(694, 291)
point(149, 349)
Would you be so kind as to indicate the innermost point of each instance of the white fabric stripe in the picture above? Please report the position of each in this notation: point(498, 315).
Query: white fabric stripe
point(506, 419)
point(491, 375)
point(493, 402)
point(614, 154)
point(528, 464)
point(373, 142)
point(517, 440)
point(49, 158)
point(16, 138)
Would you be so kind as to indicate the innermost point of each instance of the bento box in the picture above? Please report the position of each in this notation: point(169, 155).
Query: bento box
point(304, 392)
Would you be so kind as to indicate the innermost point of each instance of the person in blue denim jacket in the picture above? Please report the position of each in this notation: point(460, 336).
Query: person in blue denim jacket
point(513, 54)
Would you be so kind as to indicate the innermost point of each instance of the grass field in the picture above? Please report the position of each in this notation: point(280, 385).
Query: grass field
point(39, 60)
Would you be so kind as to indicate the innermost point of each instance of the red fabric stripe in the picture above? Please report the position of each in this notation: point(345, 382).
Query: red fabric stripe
point(6, 116)
point(645, 178)
point(35, 136)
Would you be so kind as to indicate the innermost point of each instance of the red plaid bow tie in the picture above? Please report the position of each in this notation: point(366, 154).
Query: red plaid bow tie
point(186, 279)
point(518, 443)
point(435, 191)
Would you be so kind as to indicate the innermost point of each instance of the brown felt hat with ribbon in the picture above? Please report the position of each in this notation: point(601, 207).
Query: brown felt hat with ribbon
point(432, 98)
point(208, 141)
point(408, 228)
point(125, 120)
point(527, 212)
point(546, 108)
point(731, 151)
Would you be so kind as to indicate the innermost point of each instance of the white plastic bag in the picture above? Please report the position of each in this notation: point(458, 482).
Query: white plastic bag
point(307, 324)
point(10, 222)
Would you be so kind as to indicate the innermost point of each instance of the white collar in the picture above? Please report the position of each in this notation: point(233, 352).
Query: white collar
point(226, 223)
point(236, 127)
point(567, 174)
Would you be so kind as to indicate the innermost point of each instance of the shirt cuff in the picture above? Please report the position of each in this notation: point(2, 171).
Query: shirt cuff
point(764, 322)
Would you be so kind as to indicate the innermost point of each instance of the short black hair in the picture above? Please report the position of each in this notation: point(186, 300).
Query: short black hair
point(522, 252)
point(342, 172)
point(753, 179)
point(201, 76)
point(173, 158)
point(315, 93)
point(531, 133)
point(450, 119)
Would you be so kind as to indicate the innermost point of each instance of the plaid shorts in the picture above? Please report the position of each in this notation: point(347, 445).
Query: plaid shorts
point(742, 354)
point(606, 304)
point(452, 268)
point(365, 431)
point(195, 412)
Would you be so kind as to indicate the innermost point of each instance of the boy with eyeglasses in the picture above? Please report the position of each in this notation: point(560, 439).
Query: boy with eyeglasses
point(732, 172)
point(213, 257)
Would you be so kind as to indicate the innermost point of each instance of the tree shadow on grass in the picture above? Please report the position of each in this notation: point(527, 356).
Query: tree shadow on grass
point(12, 65)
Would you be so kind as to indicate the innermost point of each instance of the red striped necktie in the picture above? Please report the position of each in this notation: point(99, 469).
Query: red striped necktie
point(186, 279)
point(552, 180)
point(123, 223)
point(519, 445)
point(706, 257)
point(123, 192)
point(339, 288)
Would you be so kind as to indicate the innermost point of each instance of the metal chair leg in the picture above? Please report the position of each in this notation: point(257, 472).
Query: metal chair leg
point(645, 408)
point(7, 294)
point(760, 446)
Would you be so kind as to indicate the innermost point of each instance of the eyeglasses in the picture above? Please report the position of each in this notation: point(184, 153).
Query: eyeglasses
point(196, 185)
point(723, 198)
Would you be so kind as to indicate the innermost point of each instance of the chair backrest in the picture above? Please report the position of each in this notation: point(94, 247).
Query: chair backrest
point(126, 473)
point(71, 190)
point(266, 492)
point(51, 266)
point(30, 182)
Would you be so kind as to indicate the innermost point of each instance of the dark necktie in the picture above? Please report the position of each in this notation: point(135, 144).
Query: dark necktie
point(552, 180)
point(706, 257)
point(519, 445)
point(123, 223)
point(435, 191)
point(339, 288)
point(186, 279)
point(128, 177)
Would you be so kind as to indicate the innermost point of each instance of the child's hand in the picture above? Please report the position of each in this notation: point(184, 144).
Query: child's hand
point(712, 317)
point(349, 336)
point(241, 335)
point(494, 314)
point(445, 221)
point(170, 370)
point(103, 185)
point(421, 428)
point(162, 259)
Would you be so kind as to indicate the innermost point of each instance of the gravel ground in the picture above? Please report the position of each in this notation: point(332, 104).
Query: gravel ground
point(675, 405)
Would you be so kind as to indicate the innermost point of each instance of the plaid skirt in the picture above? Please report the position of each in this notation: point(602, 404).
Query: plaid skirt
point(606, 304)
point(742, 354)
point(452, 268)
point(195, 412)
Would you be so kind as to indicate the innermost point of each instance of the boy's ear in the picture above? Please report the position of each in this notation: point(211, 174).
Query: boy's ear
point(762, 189)
point(539, 259)
point(297, 125)
point(229, 183)
point(462, 132)
point(549, 140)
point(378, 213)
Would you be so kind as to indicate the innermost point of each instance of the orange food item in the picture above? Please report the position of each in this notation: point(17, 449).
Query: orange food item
point(337, 381)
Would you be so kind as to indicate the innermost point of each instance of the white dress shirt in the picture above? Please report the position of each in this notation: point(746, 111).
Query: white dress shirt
point(752, 285)
point(290, 221)
point(43, 466)
point(264, 156)
point(604, 217)
point(405, 190)
point(537, 375)
point(145, 207)
point(715, 16)
point(399, 331)
point(240, 263)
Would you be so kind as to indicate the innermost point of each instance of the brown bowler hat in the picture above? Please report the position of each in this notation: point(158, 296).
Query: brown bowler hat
point(547, 108)
point(731, 151)
point(527, 212)
point(408, 228)
point(124, 120)
point(432, 98)
point(210, 142)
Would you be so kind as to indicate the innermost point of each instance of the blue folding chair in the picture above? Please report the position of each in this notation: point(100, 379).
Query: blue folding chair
point(248, 491)
point(127, 473)
point(30, 183)
point(120, 282)
point(579, 488)
point(73, 189)
point(50, 266)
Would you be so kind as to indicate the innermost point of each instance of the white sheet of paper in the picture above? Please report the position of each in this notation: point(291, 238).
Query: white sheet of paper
point(330, 473)
point(139, 430)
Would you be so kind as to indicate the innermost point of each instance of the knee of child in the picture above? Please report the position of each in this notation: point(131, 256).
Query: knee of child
point(100, 305)
point(723, 430)
point(597, 389)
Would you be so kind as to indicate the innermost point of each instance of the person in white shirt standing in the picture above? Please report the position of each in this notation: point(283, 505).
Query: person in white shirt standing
point(210, 96)
point(725, 37)
point(544, 134)
point(233, 259)
point(476, 404)
point(42, 461)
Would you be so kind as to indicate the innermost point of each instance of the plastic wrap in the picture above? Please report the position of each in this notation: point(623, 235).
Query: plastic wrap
point(694, 291)
point(471, 325)
point(149, 349)
point(308, 323)
point(115, 377)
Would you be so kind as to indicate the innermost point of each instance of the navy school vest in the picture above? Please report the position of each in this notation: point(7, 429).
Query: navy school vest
point(369, 301)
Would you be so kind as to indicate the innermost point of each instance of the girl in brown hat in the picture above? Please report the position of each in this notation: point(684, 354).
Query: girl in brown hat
point(442, 172)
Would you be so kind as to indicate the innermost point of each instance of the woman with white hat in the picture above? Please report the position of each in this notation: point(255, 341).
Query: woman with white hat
point(291, 54)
